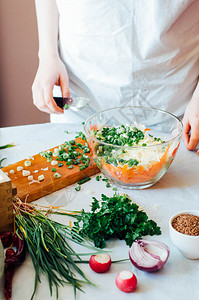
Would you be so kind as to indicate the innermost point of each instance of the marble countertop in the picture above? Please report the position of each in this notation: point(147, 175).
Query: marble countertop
point(178, 190)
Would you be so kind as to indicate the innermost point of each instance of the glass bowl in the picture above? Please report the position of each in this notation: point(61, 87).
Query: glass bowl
point(144, 164)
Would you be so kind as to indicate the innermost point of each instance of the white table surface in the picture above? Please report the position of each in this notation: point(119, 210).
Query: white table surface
point(178, 190)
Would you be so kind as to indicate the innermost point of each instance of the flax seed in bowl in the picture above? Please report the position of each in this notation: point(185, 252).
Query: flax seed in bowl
point(184, 233)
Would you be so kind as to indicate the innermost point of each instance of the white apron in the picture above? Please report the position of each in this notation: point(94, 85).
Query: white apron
point(130, 52)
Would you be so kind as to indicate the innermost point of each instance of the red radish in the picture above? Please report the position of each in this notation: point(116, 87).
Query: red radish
point(100, 263)
point(126, 281)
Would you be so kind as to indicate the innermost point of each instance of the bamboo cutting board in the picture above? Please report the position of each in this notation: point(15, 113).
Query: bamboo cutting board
point(39, 164)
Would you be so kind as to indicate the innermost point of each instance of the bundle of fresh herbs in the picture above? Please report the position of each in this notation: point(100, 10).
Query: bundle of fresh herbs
point(114, 217)
point(48, 243)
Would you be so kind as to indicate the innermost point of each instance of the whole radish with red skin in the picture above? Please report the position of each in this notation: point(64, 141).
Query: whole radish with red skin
point(100, 263)
point(126, 281)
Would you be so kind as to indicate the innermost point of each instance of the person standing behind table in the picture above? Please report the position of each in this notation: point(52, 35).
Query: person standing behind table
point(115, 51)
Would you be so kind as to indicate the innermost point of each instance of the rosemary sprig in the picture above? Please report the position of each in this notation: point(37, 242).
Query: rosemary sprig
point(48, 243)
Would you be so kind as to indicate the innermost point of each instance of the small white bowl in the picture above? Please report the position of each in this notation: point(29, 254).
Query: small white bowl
point(188, 245)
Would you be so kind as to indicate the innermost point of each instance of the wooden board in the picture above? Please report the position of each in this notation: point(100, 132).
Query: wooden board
point(6, 199)
point(31, 192)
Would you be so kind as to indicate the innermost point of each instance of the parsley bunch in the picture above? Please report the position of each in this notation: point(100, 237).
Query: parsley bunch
point(114, 217)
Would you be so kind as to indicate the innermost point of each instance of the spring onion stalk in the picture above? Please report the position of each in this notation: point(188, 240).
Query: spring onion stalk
point(48, 243)
point(6, 146)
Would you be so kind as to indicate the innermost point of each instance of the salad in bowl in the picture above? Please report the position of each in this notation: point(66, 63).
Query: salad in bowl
point(133, 146)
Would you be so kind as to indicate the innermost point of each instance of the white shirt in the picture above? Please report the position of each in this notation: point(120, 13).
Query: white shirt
point(130, 52)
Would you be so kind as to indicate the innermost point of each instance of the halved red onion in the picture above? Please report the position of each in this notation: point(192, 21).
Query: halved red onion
point(147, 255)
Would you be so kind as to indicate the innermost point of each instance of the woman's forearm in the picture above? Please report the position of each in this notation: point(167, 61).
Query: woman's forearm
point(47, 22)
point(52, 70)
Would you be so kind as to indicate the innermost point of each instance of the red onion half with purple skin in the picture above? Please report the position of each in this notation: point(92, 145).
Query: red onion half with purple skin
point(147, 255)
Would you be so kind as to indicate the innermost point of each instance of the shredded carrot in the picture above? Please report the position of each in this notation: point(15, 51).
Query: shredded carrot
point(147, 129)
point(136, 174)
point(174, 151)
point(95, 127)
point(70, 224)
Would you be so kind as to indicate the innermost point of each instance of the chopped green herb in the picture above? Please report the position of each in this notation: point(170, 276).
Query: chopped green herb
point(83, 123)
point(108, 185)
point(70, 167)
point(105, 179)
point(57, 175)
point(66, 131)
point(68, 152)
point(54, 170)
point(47, 155)
point(98, 177)
point(86, 150)
point(82, 168)
point(80, 134)
point(132, 162)
point(79, 145)
point(78, 188)
point(84, 180)
point(65, 106)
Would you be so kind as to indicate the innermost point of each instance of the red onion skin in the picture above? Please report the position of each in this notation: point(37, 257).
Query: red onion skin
point(151, 269)
point(160, 264)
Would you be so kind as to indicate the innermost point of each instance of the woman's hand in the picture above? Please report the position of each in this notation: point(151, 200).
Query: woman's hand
point(191, 122)
point(51, 72)
point(51, 69)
